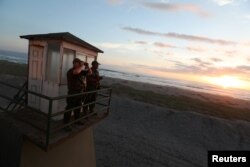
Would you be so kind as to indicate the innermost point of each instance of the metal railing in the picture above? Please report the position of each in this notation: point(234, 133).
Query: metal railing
point(103, 99)
point(20, 97)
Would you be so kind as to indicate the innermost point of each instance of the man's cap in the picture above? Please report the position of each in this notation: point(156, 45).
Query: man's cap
point(77, 60)
point(95, 62)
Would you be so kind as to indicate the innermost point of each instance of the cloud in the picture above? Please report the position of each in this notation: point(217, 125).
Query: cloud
point(228, 2)
point(168, 7)
point(162, 53)
point(163, 45)
point(200, 67)
point(140, 31)
point(195, 49)
point(180, 36)
point(230, 53)
point(198, 38)
point(215, 59)
point(180, 67)
point(244, 67)
point(201, 63)
point(189, 48)
point(141, 42)
point(223, 2)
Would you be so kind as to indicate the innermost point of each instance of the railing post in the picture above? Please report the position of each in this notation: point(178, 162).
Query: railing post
point(110, 92)
point(48, 123)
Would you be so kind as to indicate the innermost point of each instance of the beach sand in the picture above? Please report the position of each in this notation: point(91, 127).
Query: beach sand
point(152, 125)
point(137, 134)
point(142, 134)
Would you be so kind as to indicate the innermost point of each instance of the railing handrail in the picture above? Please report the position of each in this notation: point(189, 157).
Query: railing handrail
point(49, 114)
point(84, 105)
point(25, 90)
point(79, 94)
point(53, 98)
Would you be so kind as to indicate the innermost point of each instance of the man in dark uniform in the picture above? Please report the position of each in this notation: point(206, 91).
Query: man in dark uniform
point(75, 81)
point(93, 83)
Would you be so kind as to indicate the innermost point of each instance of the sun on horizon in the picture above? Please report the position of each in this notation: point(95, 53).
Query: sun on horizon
point(228, 82)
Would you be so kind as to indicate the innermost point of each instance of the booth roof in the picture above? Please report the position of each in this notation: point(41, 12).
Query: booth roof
point(66, 36)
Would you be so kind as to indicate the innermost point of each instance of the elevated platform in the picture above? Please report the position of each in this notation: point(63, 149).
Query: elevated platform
point(44, 128)
point(33, 126)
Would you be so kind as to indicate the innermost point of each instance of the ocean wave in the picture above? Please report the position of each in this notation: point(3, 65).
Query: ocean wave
point(194, 86)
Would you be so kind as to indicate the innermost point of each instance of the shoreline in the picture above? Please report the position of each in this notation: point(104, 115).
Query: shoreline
point(175, 91)
point(181, 99)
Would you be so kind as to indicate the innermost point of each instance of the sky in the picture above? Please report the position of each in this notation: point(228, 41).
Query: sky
point(198, 40)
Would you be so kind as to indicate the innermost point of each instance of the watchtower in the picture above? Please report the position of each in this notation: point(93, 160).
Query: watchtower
point(50, 57)
point(37, 108)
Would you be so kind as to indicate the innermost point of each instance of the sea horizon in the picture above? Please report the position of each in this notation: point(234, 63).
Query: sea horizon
point(21, 58)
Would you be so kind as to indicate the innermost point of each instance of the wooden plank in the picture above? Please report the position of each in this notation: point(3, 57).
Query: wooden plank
point(79, 49)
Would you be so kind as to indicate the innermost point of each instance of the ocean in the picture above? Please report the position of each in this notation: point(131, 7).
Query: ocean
point(16, 57)
point(190, 85)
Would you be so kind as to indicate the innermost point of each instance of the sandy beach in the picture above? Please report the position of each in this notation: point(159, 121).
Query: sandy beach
point(141, 134)
point(157, 134)
point(152, 125)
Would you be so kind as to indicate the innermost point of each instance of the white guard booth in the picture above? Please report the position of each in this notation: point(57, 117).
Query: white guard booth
point(50, 57)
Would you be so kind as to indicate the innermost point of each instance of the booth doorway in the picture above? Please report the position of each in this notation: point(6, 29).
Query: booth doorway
point(35, 75)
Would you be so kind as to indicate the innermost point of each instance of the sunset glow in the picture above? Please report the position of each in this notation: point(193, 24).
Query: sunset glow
point(173, 39)
point(227, 82)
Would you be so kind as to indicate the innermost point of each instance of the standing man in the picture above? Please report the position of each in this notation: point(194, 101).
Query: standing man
point(93, 83)
point(75, 80)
